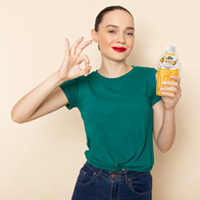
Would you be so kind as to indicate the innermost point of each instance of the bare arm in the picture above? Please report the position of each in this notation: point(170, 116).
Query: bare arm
point(29, 104)
point(164, 127)
point(164, 116)
point(56, 100)
point(48, 97)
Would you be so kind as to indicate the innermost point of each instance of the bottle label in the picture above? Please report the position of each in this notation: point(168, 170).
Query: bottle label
point(168, 62)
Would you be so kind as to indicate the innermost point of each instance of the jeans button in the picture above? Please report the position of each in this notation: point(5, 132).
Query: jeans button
point(112, 175)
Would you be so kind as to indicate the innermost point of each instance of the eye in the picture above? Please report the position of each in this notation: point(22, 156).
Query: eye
point(130, 33)
point(111, 31)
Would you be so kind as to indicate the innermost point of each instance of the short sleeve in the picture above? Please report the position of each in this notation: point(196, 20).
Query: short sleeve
point(153, 83)
point(70, 88)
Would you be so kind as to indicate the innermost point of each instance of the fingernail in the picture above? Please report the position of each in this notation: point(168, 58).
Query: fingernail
point(161, 88)
point(164, 82)
point(171, 76)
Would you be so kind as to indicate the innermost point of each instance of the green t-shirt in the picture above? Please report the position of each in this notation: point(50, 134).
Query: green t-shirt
point(118, 117)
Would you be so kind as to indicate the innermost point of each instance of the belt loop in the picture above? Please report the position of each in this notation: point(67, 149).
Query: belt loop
point(96, 174)
point(126, 177)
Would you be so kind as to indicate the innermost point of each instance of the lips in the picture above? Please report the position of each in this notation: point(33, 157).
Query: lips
point(119, 49)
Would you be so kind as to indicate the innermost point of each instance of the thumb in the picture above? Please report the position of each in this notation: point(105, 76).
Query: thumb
point(86, 70)
point(156, 76)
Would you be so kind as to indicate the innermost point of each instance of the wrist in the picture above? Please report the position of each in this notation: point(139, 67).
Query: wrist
point(170, 110)
point(58, 80)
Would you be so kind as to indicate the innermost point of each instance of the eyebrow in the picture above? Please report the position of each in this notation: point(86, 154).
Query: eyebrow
point(118, 27)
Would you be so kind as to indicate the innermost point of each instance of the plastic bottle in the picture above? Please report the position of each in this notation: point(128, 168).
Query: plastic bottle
point(168, 66)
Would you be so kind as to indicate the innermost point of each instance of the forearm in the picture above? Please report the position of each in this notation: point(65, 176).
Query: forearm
point(28, 104)
point(167, 133)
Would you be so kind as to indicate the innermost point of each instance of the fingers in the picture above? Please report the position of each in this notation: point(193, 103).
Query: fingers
point(66, 46)
point(178, 95)
point(175, 85)
point(172, 89)
point(82, 46)
point(75, 52)
point(176, 91)
point(78, 49)
point(169, 94)
point(156, 76)
point(176, 78)
point(86, 70)
point(85, 59)
point(75, 45)
point(170, 83)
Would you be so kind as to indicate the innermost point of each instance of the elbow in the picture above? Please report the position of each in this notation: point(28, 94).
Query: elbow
point(14, 119)
point(164, 150)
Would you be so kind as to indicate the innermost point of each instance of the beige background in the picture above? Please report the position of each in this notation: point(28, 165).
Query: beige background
point(40, 160)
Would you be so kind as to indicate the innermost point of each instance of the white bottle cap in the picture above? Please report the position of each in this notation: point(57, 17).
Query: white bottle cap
point(170, 49)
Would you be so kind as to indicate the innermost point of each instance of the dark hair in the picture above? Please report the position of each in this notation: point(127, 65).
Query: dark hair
point(99, 17)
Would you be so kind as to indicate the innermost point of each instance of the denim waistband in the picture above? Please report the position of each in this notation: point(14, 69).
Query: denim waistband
point(115, 175)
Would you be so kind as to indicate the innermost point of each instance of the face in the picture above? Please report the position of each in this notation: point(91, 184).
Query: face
point(115, 30)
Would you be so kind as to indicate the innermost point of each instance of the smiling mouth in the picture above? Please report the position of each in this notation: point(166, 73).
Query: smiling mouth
point(119, 49)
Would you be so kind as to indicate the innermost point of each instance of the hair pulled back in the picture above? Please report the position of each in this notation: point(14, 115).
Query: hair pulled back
point(99, 17)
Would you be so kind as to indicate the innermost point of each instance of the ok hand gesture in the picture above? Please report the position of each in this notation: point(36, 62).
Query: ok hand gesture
point(70, 67)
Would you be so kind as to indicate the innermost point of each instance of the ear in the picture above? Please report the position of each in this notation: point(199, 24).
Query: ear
point(94, 36)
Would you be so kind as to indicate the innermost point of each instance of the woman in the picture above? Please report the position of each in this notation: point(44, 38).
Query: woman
point(119, 107)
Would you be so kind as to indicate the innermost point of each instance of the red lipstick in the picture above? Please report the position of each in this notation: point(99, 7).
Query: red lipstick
point(119, 49)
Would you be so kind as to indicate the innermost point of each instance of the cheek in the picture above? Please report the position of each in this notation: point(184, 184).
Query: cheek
point(110, 40)
point(130, 41)
point(106, 40)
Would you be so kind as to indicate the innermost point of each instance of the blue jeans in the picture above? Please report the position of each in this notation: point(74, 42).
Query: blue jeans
point(99, 184)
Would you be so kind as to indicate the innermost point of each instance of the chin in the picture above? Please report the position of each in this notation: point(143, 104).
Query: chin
point(118, 56)
point(117, 59)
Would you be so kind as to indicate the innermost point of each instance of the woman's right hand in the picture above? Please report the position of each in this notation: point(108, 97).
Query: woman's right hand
point(70, 67)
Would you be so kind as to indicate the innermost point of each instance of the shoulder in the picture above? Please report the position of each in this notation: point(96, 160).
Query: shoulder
point(83, 80)
point(148, 72)
point(88, 77)
point(146, 69)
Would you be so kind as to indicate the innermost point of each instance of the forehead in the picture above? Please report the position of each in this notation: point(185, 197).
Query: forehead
point(117, 17)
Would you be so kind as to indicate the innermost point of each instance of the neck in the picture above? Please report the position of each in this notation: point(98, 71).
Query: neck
point(111, 69)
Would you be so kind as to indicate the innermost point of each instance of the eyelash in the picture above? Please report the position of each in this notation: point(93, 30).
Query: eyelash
point(112, 31)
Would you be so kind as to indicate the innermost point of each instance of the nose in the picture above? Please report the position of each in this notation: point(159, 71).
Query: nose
point(121, 38)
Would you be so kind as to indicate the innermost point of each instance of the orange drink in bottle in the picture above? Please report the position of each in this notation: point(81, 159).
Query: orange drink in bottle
point(168, 66)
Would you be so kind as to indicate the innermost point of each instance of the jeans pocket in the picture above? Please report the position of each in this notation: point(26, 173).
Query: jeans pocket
point(85, 177)
point(141, 185)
